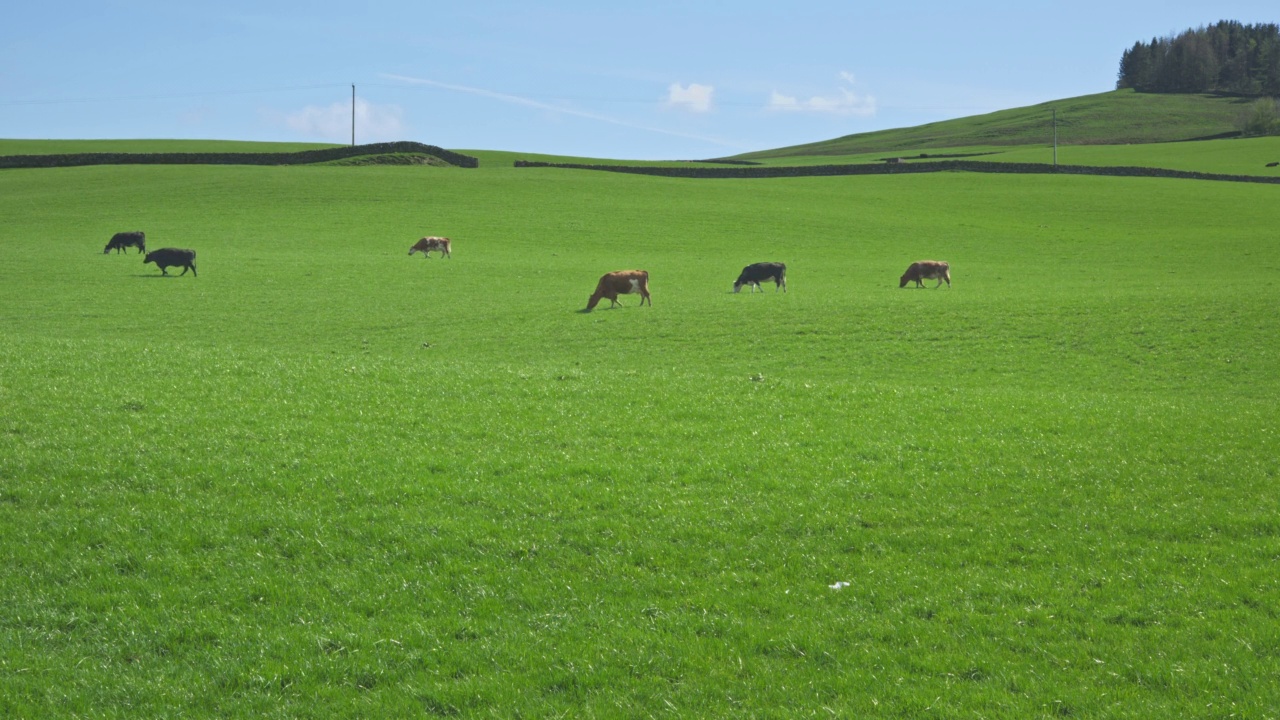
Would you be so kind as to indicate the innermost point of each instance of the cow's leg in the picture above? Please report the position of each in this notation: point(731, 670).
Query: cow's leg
point(164, 270)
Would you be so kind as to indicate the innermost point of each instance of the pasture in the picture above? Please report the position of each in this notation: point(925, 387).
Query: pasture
point(327, 479)
point(1238, 156)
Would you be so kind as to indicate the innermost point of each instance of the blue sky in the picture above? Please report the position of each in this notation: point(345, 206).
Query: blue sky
point(639, 80)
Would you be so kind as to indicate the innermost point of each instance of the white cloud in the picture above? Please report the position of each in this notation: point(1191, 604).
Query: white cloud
point(778, 101)
point(843, 102)
point(374, 123)
point(695, 98)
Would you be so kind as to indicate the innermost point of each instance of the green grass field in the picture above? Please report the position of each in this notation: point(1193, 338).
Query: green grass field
point(1240, 156)
point(1111, 118)
point(325, 479)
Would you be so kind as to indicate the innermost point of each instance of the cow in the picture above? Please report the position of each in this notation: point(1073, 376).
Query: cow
point(173, 257)
point(121, 241)
point(427, 244)
point(622, 282)
point(927, 270)
point(753, 275)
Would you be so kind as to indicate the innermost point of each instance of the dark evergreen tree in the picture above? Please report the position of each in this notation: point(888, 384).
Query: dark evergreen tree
point(1227, 57)
point(1136, 68)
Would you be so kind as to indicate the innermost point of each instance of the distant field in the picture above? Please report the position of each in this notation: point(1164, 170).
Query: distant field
point(326, 479)
point(1241, 156)
point(1112, 118)
point(1247, 156)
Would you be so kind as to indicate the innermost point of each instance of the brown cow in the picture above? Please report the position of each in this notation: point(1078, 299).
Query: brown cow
point(623, 282)
point(927, 270)
point(427, 244)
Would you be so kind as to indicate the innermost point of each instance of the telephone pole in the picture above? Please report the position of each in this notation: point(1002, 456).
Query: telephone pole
point(353, 116)
point(1055, 139)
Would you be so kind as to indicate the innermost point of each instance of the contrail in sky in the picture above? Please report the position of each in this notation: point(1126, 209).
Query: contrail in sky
point(526, 102)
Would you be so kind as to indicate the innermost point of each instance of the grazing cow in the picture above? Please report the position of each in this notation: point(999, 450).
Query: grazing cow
point(173, 257)
point(123, 240)
point(427, 244)
point(927, 270)
point(623, 282)
point(755, 274)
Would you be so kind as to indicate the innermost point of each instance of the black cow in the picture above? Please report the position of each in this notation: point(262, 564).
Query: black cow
point(123, 240)
point(753, 275)
point(173, 257)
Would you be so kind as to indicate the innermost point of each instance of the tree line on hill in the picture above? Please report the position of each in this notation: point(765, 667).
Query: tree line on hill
point(1227, 57)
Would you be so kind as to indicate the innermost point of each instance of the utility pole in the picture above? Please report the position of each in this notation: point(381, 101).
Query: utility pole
point(1055, 139)
point(353, 118)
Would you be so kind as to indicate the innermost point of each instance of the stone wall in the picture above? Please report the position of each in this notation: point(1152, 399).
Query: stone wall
point(305, 157)
point(900, 168)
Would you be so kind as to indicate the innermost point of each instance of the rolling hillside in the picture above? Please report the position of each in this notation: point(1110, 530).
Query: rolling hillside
point(1112, 118)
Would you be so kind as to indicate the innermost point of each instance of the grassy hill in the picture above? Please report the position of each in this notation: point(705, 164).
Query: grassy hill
point(326, 479)
point(1112, 118)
